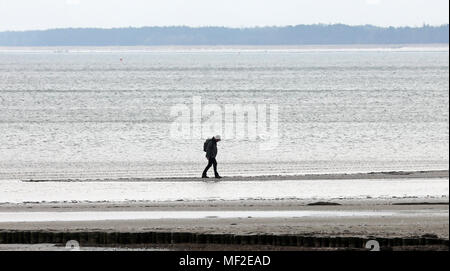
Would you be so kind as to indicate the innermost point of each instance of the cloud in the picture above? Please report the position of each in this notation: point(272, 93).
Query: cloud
point(72, 2)
point(373, 2)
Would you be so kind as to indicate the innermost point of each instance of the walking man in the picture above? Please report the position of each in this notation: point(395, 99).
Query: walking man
point(210, 147)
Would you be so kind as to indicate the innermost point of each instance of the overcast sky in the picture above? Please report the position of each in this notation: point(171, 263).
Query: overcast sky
point(44, 14)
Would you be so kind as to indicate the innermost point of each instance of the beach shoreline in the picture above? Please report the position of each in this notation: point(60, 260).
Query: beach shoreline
point(410, 217)
point(326, 176)
point(413, 225)
point(413, 222)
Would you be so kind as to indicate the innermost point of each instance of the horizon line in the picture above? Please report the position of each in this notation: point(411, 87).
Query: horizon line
point(229, 27)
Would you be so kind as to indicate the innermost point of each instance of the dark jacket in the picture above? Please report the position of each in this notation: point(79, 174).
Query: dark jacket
point(211, 149)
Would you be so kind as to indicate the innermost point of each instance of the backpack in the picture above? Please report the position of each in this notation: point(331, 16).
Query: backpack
point(205, 145)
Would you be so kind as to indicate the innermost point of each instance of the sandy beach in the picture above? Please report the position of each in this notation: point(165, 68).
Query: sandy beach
point(411, 217)
point(407, 220)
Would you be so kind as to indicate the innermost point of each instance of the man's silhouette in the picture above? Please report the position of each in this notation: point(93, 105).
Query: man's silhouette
point(210, 147)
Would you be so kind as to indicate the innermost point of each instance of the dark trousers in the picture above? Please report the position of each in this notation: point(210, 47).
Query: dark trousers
point(211, 162)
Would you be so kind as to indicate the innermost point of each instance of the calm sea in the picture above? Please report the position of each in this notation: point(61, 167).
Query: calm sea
point(105, 112)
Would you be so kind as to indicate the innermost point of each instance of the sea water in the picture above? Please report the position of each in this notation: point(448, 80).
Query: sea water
point(105, 112)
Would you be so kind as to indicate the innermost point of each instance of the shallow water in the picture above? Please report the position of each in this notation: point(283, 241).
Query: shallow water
point(127, 215)
point(83, 113)
point(18, 192)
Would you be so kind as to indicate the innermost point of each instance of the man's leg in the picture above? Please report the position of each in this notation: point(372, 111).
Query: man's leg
point(214, 162)
point(210, 163)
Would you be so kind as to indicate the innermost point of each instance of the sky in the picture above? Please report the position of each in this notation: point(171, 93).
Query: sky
point(45, 14)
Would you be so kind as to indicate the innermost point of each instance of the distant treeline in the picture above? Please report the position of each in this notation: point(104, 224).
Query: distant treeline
point(182, 35)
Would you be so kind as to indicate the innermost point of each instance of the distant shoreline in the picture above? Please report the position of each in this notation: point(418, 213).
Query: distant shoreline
point(183, 35)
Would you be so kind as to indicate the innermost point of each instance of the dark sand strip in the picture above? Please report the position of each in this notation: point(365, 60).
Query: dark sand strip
point(336, 176)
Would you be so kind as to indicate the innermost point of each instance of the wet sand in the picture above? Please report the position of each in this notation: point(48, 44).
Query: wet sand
point(407, 217)
point(334, 176)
